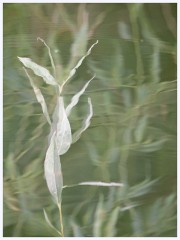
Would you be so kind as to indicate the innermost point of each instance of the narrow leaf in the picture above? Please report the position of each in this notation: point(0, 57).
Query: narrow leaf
point(111, 226)
point(38, 70)
point(62, 127)
point(151, 147)
point(52, 169)
point(76, 229)
point(103, 184)
point(76, 97)
point(39, 97)
point(73, 71)
point(140, 129)
point(100, 184)
point(50, 55)
point(86, 123)
point(80, 41)
point(99, 218)
point(49, 222)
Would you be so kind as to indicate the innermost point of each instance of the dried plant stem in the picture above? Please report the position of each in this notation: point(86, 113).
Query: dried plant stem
point(60, 219)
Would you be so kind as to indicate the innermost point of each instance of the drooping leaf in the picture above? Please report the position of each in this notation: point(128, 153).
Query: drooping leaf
point(100, 184)
point(39, 97)
point(52, 170)
point(76, 97)
point(62, 127)
point(38, 70)
point(49, 222)
point(86, 123)
point(73, 71)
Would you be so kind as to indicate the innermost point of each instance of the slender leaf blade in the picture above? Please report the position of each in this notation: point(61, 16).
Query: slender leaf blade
point(102, 184)
point(39, 97)
point(111, 226)
point(76, 97)
point(99, 184)
point(38, 70)
point(99, 218)
point(50, 55)
point(86, 123)
point(52, 170)
point(49, 222)
point(73, 71)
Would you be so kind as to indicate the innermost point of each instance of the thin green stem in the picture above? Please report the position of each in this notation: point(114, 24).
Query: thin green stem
point(60, 219)
point(123, 167)
point(134, 10)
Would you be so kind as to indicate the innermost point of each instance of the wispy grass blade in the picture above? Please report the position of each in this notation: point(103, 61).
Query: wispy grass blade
point(50, 55)
point(99, 218)
point(73, 71)
point(39, 97)
point(86, 123)
point(76, 97)
point(38, 70)
point(49, 222)
point(52, 170)
point(111, 229)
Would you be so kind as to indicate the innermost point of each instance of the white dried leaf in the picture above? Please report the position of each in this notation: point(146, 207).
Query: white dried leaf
point(39, 97)
point(62, 127)
point(86, 123)
point(73, 71)
point(50, 55)
point(88, 52)
point(103, 184)
point(52, 170)
point(76, 97)
point(100, 184)
point(38, 70)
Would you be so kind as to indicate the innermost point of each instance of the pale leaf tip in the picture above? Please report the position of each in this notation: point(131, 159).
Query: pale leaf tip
point(40, 39)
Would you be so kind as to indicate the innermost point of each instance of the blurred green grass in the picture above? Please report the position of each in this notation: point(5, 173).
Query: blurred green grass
point(132, 136)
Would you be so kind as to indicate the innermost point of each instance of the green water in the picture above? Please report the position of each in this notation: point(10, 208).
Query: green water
point(132, 136)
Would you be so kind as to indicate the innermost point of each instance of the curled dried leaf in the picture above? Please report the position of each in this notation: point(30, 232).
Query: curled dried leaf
point(38, 70)
point(76, 97)
point(73, 71)
point(86, 123)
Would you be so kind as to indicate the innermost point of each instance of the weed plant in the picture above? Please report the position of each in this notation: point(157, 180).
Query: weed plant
point(60, 137)
point(132, 135)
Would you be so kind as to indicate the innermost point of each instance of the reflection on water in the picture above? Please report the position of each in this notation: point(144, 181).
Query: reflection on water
point(132, 136)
